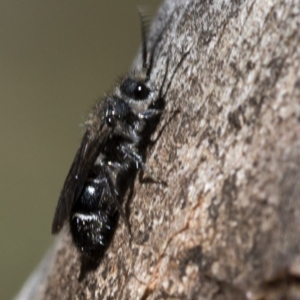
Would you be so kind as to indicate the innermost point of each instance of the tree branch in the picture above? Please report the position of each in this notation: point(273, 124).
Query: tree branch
point(227, 224)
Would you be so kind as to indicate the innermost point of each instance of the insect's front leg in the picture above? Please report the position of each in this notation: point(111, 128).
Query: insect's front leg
point(149, 114)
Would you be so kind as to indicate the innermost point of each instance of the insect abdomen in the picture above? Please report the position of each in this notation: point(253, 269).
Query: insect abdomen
point(92, 231)
point(93, 217)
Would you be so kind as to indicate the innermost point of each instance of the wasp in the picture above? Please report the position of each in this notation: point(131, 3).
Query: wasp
point(117, 133)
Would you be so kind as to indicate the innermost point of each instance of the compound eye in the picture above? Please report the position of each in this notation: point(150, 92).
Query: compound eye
point(135, 89)
point(141, 92)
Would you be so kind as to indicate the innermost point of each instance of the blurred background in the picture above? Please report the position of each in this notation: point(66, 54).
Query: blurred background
point(56, 59)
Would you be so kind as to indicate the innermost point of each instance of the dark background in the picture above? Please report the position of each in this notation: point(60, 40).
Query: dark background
point(56, 59)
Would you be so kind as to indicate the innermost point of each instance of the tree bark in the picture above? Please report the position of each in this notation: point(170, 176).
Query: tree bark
point(227, 225)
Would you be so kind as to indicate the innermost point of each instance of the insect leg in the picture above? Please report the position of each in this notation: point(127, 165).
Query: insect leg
point(138, 161)
point(149, 113)
point(114, 195)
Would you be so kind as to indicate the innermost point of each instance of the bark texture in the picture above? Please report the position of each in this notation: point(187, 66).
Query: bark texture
point(227, 225)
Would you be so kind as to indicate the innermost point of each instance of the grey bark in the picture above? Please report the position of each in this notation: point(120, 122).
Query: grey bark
point(227, 226)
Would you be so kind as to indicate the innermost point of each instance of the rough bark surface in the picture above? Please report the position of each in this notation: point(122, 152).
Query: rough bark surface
point(227, 226)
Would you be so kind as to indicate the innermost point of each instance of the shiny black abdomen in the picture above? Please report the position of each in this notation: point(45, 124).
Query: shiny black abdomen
point(94, 216)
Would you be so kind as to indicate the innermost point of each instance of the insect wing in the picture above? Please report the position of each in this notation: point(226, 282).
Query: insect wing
point(82, 164)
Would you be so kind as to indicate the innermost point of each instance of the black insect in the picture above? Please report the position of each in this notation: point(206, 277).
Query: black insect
point(117, 134)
